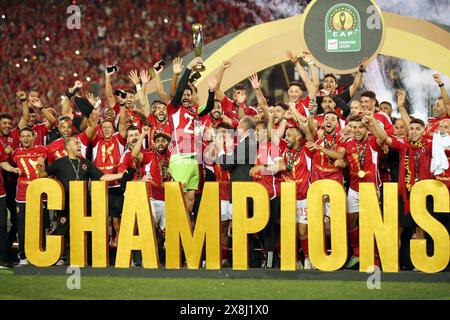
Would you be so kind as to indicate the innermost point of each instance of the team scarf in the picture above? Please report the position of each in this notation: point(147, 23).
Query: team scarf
point(412, 167)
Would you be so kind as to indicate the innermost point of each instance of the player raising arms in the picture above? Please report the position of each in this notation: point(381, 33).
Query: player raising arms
point(362, 158)
point(182, 114)
point(295, 91)
point(298, 168)
point(56, 149)
point(107, 149)
point(27, 160)
point(156, 164)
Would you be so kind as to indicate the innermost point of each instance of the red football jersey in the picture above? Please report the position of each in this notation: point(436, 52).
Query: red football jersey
point(106, 154)
point(41, 131)
point(137, 122)
point(26, 161)
point(370, 161)
point(11, 140)
point(208, 121)
point(231, 111)
point(127, 160)
point(341, 116)
point(223, 177)
point(433, 126)
point(300, 171)
point(385, 122)
point(158, 127)
point(56, 149)
point(182, 123)
point(322, 166)
point(3, 157)
point(419, 160)
point(157, 166)
point(302, 106)
point(268, 154)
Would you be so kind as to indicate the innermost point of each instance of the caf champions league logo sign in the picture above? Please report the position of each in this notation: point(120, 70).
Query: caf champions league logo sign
point(340, 34)
point(343, 29)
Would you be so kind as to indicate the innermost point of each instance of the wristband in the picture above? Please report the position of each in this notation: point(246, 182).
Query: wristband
point(441, 85)
point(70, 95)
point(138, 87)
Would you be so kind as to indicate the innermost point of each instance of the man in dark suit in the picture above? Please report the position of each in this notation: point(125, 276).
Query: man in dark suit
point(238, 163)
point(242, 158)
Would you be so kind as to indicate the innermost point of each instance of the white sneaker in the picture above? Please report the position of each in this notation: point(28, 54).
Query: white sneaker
point(23, 262)
point(308, 264)
point(299, 265)
point(60, 262)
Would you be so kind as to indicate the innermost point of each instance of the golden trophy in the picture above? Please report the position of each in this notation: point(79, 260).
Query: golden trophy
point(198, 45)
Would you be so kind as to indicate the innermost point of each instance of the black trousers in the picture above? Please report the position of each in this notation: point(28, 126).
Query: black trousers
point(21, 216)
point(10, 189)
point(269, 233)
point(3, 230)
point(115, 202)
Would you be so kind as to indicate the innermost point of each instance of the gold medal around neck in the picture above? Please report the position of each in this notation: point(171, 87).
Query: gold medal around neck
point(361, 174)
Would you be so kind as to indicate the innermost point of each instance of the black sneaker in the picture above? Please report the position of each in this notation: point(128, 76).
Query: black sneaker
point(4, 265)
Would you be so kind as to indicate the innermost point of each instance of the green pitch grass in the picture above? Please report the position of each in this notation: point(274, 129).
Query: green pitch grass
point(106, 287)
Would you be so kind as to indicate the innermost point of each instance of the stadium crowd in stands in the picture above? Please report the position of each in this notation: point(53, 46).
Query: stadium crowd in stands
point(322, 132)
point(131, 33)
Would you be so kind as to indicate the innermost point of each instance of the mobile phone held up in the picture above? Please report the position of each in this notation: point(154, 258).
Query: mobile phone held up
point(159, 65)
point(112, 69)
point(195, 77)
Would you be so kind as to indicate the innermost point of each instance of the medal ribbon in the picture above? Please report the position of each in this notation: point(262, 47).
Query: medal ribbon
point(361, 156)
point(290, 162)
point(327, 144)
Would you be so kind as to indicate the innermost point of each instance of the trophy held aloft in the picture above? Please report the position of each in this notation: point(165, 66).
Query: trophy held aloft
point(198, 45)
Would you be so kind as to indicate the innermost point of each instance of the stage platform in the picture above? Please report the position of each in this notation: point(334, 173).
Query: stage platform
point(343, 275)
